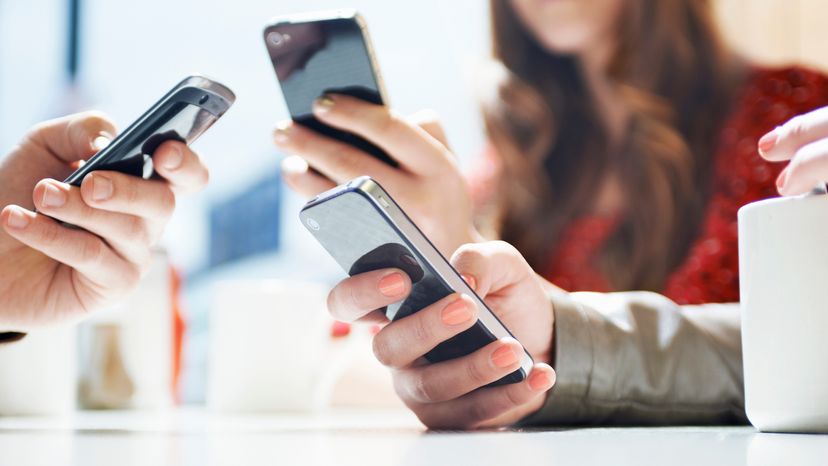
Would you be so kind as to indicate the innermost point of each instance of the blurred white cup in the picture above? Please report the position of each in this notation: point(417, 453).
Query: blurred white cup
point(126, 350)
point(270, 347)
point(38, 373)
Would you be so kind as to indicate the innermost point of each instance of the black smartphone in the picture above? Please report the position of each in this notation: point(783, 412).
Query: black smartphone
point(183, 114)
point(362, 227)
point(325, 52)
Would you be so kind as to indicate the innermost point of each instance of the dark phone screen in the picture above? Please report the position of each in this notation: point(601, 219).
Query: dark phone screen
point(320, 57)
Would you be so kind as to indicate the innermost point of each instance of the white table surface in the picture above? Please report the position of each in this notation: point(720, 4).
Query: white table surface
point(191, 436)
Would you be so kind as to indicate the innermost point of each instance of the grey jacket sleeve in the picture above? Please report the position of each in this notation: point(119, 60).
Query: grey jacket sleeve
point(639, 358)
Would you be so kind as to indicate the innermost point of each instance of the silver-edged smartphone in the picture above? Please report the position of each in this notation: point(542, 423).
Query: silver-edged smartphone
point(182, 114)
point(325, 52)
point(363, 229)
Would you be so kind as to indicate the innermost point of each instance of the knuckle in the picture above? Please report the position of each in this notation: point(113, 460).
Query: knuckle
point(358, 163)
point(298, 141)
point(128, 189)
point(383, 350)
point(384, 121)
point(49, 234)
point(476, 373)
point(168, 201)
point(91, 252)
point(479, 412)
point(421, 390)
point(338, 301)
point(422, 332)
point(795, 127)
point(511, 397)
point(139, 231)
point(355, 299)
point(334, 308)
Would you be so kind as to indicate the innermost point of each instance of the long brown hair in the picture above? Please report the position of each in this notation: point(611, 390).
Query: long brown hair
point(673, 74)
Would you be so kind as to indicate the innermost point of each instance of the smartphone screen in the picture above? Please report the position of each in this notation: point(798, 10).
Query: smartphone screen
point(313, 57)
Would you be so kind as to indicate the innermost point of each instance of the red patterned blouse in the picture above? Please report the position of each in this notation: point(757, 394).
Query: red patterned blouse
point(709, 273)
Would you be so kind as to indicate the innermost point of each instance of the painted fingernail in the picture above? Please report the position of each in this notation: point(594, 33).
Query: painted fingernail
point(101, 188)
point(17, 219)
point(175, 159)
point(456, 313)
point(53, 196)
point(281, 135)
point(323, 104)
point(504, 356)
point(768, 141)
point(540, 381)
point(101, 141)
point(470, 281)
point(392, 285)
point(781, 180)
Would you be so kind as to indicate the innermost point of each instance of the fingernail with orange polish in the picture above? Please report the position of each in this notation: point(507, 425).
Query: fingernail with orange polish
point(504, 356)
point(540, 381)
point(781, 180)
point(456, 313)
point(392, 285)
point(768, 141)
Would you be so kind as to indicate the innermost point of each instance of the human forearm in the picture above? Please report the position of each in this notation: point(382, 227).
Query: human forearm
point(639, 358)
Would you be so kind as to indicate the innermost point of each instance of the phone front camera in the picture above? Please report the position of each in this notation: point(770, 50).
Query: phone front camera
point(277, 38)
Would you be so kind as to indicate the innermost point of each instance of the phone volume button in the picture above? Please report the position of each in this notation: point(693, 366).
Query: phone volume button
point(384, 202)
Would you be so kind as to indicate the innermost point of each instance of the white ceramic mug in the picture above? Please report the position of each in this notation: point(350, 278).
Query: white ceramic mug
point(270, 347)
point(783, 267)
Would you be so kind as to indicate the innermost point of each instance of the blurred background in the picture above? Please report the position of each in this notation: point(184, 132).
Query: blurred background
point(63, 56)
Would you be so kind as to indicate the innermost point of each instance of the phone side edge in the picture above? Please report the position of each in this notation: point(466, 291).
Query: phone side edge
point(406, 227)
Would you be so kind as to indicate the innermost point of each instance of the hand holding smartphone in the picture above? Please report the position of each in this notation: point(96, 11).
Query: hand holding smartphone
point(363, 229)
point(320, 53)
point(182, 114)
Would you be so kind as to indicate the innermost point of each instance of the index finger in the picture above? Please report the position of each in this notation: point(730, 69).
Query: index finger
point(783, 142)
point(410, 145)
point(357, 296)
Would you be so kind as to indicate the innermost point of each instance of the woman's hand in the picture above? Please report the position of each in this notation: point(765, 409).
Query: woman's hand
point(804, 141)
point(449, 394)
point(53, 273)
point(427, 184)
